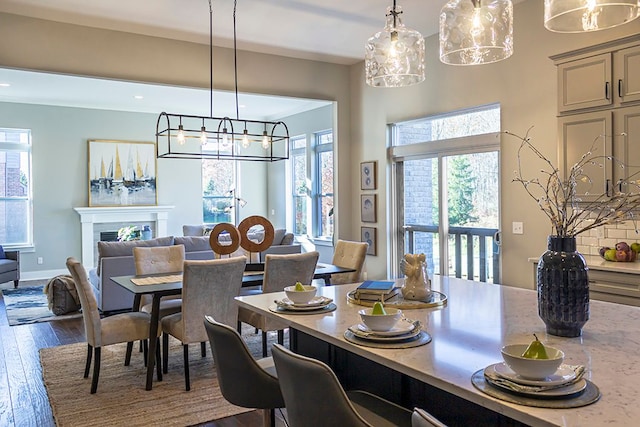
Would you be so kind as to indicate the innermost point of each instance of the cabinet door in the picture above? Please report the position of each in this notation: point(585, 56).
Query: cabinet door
point(584, 83)
point(580, 134)
point(626, 65)
point(627, 148)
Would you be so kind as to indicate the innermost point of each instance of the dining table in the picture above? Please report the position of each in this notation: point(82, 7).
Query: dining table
point(467, 332)
point(160, 285)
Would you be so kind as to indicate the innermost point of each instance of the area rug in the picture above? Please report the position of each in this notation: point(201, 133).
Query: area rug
point(121, 399)
point(29, 305)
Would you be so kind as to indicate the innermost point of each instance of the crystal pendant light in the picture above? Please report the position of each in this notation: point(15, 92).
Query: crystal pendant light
point(576, 16)
point(394, 57)
point(474, 32)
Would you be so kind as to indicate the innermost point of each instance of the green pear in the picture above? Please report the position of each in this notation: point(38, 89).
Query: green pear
point(299, 287)
point(610, 255)
point(535, 350)
point(635, 247)
point(378, 309)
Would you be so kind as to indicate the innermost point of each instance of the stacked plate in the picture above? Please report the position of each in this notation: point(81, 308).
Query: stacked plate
point(404, 330)
point(317, 303)
point(565, 383)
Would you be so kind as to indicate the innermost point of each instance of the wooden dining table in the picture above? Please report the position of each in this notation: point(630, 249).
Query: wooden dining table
point(467, 335)
point(252, 277)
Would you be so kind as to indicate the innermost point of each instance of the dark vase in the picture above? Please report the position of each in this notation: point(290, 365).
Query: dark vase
point(563, 288)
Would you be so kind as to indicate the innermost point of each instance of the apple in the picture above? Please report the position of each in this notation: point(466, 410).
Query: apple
point(622, 246)
point(621, 255)
point(603, 250)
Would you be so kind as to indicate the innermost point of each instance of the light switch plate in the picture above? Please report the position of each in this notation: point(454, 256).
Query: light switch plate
point(517, 227)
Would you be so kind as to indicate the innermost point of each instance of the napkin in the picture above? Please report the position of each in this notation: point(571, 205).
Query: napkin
point(512, 385)
point(285, 304)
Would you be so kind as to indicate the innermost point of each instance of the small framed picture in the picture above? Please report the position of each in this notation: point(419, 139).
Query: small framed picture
point(368, 175)
point(368, 235)
point(368, 208)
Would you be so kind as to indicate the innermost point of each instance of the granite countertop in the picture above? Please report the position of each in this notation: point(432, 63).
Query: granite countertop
point(598, 263)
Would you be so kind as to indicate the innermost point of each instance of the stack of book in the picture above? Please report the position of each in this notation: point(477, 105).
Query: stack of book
point(376, 290)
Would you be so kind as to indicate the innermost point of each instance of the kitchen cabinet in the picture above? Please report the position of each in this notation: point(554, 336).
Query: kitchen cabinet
point(626, 66)
point(626, 149)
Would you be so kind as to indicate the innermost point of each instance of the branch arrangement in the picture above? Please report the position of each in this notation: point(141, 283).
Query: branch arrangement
point(557, 196)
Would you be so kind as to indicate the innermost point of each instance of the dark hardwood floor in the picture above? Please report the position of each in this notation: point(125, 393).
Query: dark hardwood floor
point(23, 397)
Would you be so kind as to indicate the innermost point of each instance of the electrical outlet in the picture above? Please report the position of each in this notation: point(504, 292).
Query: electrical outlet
point(517, 227)
point(40, 260)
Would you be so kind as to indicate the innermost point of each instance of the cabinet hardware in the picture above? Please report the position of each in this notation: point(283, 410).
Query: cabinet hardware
point(620, 88)
point(606, 187)
point(606, 90)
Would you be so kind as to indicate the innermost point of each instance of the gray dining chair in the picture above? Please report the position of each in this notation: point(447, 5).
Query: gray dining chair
point(100, 332)
point(243, 380)
point(421, 418)
point(314, 397)
point(208, 288)
point(159, 260)
point(280, 271)
point(351, 255)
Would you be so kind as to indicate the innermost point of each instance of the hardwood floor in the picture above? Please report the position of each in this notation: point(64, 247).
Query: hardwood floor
point(23, 397)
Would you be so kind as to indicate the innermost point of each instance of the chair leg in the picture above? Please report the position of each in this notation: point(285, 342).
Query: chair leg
point(88, 364)
point(127, 357)
point(264, 344)
point(15, 284)
point(165, 353)
point(158, 360)
point(96, 370)
point(140, 349)
point(203, 349)
point(145, 351)
point(239, 327)
point(187, 381)
point(268, 418)
point(281, 337)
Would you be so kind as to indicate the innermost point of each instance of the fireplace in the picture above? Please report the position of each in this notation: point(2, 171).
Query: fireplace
point(96, 220)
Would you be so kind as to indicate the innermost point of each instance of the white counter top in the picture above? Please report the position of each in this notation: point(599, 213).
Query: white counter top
point(470, 330)
point(598, 263)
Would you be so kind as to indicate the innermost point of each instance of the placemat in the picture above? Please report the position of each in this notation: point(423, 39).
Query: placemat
point(326, 309)
point(156, 280)
point(421, 339)
point(590, 395)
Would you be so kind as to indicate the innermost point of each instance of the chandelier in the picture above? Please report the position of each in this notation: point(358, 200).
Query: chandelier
point(183, 136)
point(474, 32)
point(394, 57)
point(576, 16)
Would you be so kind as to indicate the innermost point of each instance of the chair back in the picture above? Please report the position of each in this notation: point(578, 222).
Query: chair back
point(281, 271)
point(243, 382)
point(351, 255)
point(90, 313)
point(159, 259)
point(312, 393)
point(209, 288)
point(421, 418)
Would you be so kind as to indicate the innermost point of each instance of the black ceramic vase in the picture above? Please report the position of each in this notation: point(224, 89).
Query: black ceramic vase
point(563, 288)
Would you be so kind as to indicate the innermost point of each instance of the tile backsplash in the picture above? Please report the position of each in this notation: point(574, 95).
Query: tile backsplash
point(590, 242)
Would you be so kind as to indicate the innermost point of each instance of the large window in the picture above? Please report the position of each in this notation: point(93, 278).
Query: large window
point(15, 188)
point(323, 212)
point(300, 185)
point(218, 188)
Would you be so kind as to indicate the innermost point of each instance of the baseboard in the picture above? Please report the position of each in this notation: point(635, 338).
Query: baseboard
point(41, 274)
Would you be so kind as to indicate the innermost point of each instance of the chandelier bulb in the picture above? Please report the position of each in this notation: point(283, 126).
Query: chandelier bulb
point(245, 139)
point(181, 139)
point(225, 137)
point(203, 135)
point(265, 140)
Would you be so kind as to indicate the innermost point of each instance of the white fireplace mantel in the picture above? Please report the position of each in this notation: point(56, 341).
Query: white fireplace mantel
point(98, 215)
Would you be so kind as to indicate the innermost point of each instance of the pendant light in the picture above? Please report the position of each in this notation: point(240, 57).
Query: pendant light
point(208, 137)
point(474, 32)
point(576, 16)
point(394, 57)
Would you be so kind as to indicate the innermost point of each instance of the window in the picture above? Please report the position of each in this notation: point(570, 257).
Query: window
point(15, 188)
point(300, 185)
point(323, 207)
point(218, 188)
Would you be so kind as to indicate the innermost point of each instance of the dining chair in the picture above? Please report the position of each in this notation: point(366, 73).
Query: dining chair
point(421, 418)
point(351, 255)
point(101, 332)
point(160, 260)
point(243, 380)
point(208, 288)
point(314, 397)
point(280, 271)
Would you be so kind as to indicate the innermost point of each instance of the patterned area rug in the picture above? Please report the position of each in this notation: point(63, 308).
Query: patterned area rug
point(29, 305)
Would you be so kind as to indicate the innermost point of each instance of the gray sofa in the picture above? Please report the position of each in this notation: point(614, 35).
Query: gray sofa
point(9, 266)
point(116, 259)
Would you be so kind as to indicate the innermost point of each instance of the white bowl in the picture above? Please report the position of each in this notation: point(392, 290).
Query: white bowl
point(300, 297)
point(380, 322)
point(532, 369)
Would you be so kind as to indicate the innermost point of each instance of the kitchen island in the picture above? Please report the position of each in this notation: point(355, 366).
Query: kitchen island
point(468, 332)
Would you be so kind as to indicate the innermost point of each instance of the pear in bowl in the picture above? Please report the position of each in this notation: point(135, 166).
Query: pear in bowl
point(300, 294)
point(380, 318)
point(533, 361)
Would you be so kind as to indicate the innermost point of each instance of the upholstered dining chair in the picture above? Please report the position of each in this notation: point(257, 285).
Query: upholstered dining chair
point(421, 418)
point(208, 288)
point(352, 255)
point(280, 271)
point(119, 328)
point(319, 400)
point(243, 380)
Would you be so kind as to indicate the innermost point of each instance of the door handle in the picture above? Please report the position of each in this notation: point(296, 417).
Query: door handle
point(606, 90)
point(620, 88)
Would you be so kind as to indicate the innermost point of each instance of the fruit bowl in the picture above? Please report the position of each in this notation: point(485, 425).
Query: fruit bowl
point(380, 322)
point(532, 369)
point(300, 297)
point(621, 252)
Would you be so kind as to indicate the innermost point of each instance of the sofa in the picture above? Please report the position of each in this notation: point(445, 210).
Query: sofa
point(116, 259)
point(9, 266)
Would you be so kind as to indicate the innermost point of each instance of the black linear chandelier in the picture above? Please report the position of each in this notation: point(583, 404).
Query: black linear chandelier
point(182, 136)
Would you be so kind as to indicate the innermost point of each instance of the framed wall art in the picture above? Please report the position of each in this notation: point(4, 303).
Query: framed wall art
point(122, 173)
point(368, 175)
point(369, 235)
point(368, 208)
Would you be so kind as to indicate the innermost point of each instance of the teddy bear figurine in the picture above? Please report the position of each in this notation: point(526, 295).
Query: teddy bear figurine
point(417, 285)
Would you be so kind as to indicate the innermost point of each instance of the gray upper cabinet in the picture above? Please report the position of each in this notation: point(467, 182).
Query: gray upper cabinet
point(584, 83)
point(626, 67)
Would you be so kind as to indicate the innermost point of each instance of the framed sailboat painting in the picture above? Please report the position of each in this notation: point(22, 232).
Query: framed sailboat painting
point(122, 173)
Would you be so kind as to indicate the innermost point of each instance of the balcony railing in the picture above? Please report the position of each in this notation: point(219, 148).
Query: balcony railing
point(473, 252)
